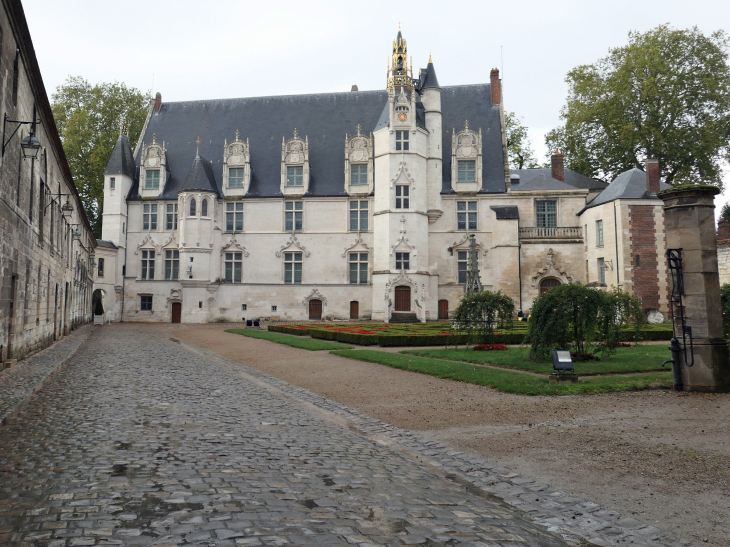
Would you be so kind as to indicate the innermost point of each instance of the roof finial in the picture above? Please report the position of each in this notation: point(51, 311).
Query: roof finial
point(121, 125)
point(398, 26)
point(359, 128)
point(466, 124)
point(237, 133)
point(429, 57)
point(296, 135)
point(154, 138)
point(197, 150)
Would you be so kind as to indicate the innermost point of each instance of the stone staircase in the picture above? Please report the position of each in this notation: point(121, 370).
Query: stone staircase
point(403, 317)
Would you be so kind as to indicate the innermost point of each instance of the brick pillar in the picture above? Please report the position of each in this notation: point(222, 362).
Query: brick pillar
point(496, 86)
point(723, 230)
point(690, 226)
point(557, 166)
point(652, 176)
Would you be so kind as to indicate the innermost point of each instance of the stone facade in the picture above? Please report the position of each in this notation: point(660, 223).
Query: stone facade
point(346, 205)
point(45, 257)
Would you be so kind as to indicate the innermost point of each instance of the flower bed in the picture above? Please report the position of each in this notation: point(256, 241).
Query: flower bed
point(490, 347)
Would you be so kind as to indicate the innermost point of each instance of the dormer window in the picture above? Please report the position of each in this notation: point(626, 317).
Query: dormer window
point(152, 179)
point(192, 208)
point(358, 173)
point(401, 140)
point(466, 159)
point(237, 166)
point(358, 163)
point(467, 171)
point(235, 177)
point(295, 175)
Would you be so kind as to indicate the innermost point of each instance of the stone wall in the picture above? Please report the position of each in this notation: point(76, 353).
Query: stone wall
point(723, 260)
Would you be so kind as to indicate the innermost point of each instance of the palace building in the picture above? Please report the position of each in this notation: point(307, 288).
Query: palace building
point(357, 205)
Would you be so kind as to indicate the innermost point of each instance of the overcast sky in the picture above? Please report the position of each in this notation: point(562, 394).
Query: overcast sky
point(190, 50)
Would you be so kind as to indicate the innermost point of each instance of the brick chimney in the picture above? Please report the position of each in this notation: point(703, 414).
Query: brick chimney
point(496, 86)
point(557, 164)
point(723, 230)
point(158, 102)
point(652, 176)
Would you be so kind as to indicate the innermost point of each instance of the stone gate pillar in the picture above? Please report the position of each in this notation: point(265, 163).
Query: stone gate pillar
point(689, 214)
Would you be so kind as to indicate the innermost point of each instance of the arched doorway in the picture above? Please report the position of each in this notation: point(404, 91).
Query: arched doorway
point(549, 283)
point(176, 312)
point(443, 309)
point(402, 299)
point(315, 310)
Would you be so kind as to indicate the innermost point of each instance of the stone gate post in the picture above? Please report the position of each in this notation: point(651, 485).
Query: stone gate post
point(690, 226)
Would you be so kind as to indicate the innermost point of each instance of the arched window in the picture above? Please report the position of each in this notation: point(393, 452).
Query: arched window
point(548, 283)
point(192, 207)
point(204, 208)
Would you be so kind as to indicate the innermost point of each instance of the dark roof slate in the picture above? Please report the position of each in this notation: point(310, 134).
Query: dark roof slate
point(630, 184)
point(537, 179)
point(121, 161)
point(506, 212)
point(428, 78)
point(200, 177)
point(105, 243)
point(325, 119)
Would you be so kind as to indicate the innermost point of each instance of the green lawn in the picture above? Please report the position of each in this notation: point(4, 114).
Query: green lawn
point(507, 380)
point(293, 341)
point(641, 358)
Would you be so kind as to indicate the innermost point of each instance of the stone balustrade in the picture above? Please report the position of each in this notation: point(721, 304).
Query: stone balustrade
point(554, 232)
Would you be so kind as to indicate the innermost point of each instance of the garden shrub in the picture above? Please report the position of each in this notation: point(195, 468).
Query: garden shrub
point(483, 312)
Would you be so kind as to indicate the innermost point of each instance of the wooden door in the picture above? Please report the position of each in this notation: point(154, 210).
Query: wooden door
point(354, 309)
point(402, 299)
point(443, 309)
point(315, 310)
point(176, 312)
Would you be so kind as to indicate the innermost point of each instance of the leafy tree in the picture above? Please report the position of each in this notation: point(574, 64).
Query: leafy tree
point(519, 145)
point(88, 120)
point(725, 212)
point(482, 312)
point(666, 94)
point(620, 311)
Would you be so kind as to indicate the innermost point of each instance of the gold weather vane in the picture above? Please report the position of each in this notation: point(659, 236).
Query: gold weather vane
point(197, 150)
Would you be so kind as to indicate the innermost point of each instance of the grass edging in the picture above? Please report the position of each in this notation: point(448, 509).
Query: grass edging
point(506, 380)
point(293, 341)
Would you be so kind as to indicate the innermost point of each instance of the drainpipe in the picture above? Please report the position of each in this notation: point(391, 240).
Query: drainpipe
point(519, 260)
point(615, 233)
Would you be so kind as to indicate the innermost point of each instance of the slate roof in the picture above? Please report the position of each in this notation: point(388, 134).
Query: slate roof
point(325, 119)
point(428, 77)
point(105, 243)
point(506, 212)
point(538, 179)
point(630, 184)
point(121, 161)
point(200, 177)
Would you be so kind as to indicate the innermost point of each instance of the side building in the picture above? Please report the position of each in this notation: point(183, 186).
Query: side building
point(46, 243)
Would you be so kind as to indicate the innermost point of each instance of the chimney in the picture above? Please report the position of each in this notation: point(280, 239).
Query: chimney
point(652, 176)
point(723, 230)
point(354, 87)
point(158, 102)
point(496, 86)
point(557, 164)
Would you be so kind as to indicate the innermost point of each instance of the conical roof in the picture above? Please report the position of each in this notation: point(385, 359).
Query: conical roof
point(121, 161)
point(200, 177)
point(428, 77)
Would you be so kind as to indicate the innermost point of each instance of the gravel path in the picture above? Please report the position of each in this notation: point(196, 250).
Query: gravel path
point(657, 459)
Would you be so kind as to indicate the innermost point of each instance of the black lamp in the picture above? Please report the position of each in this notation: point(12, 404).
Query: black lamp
point(30, 146)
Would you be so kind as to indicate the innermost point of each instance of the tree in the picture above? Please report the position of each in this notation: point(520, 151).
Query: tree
point(666, 94)
point(482, 312)
point(725, 212)
point(88, 119)
point(519, 145)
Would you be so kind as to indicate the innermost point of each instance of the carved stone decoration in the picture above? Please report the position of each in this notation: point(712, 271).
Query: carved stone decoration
point(402, 279)
point(153, 158)
point(237, 154)
point(358, 241)
point(143, 243)
point(403, 240)
point(466, 145)
point(402, 170)
point(551, 270)
point(293, 242)
point(234, 246)
point(314, 295)
point(461, 243)
point(358, 150)
point(170, 239)
point(175, 296)
point(295, 152)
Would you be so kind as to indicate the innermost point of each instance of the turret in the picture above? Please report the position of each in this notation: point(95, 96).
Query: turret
point(431, 99)
point(118, 178)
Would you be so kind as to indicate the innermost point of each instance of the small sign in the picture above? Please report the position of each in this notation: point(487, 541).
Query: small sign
point(562, 360)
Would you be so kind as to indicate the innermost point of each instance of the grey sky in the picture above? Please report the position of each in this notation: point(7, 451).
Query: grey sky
point(211, 50)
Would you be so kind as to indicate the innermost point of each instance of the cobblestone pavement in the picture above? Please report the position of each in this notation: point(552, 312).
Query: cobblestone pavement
point(19, 382)
point(138, 440)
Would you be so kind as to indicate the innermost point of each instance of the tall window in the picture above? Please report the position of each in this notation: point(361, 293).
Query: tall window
point(234, 265)
point(358, 173)
point(601, 271)
point(294, 175)
point(293, 220)
point(15, 78)
point(100, 271)
point(234, 217)
point(235, 177)
point(204, 208)
point(401, 140)
point(547, 214)
point(152, 179)
point(145, 302)
point(112, 183)
point(402, 261)
point(171, 216)
point(402, 199)
point(149, 216)
point(467, 171)
point(462, 259)
point(599, 233)
point(358, 268)
point(358, 216)
point(148, 265)
point(466, 215)
point(193, 210)
point(172, 265)
point(293, 268)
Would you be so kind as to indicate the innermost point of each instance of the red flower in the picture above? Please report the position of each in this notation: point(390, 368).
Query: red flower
point(490, 347)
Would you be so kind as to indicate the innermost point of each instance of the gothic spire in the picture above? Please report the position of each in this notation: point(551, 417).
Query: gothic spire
point(398, 70)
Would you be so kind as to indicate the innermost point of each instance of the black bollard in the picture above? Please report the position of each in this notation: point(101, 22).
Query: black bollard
point(676, 364)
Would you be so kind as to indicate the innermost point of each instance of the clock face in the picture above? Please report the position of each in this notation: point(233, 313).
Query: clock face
point(402, 116)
